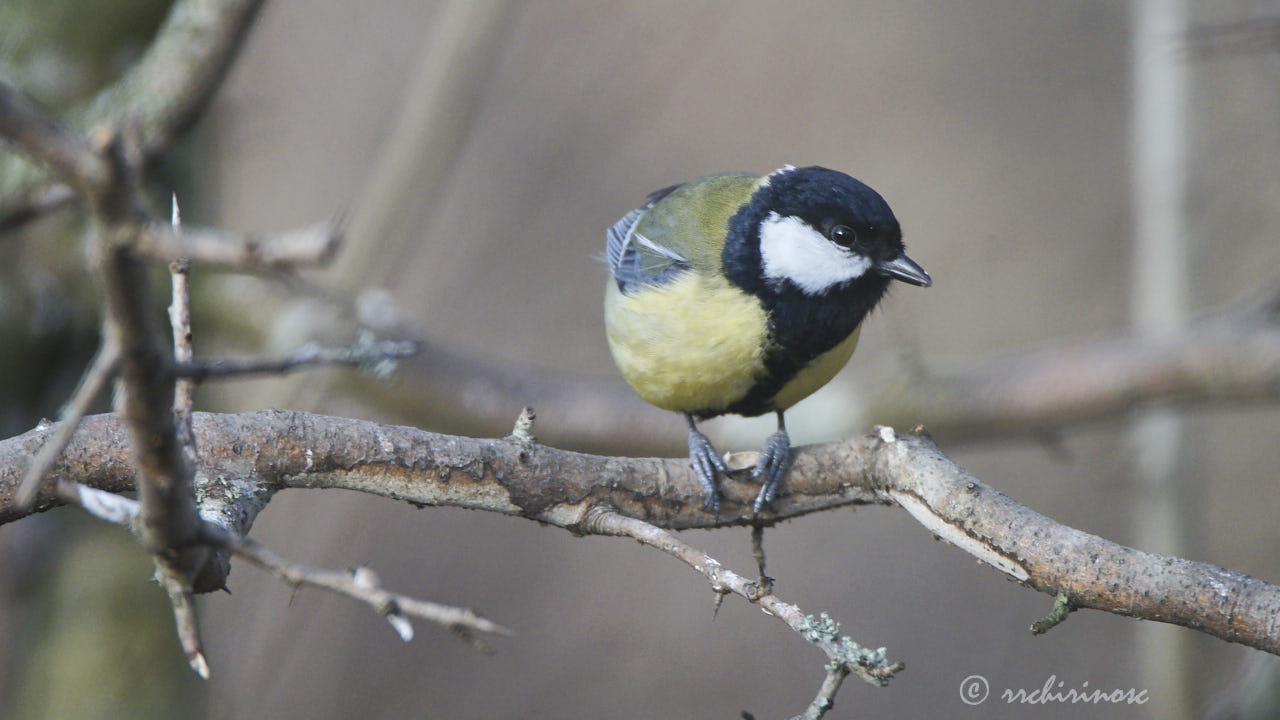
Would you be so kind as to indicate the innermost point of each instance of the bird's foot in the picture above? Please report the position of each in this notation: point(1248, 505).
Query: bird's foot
point(772, 468)
point(708, 465)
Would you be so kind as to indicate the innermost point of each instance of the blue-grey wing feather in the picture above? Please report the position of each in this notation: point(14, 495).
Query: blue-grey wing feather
point(616, 238)
point(634, 259)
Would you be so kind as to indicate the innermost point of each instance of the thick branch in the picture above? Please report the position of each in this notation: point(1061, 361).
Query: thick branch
point(145, 401)
point(298, 450)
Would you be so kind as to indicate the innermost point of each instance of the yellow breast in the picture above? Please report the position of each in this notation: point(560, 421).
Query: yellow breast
point(695, 343)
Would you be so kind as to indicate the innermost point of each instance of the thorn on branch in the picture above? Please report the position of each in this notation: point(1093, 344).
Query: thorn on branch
point(523, 430)
point(1062, 607)
point(720, 593)
point(366, 579)
point(886, 434)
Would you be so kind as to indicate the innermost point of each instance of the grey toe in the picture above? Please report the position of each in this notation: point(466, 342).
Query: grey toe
point(708, 465)
point(772, 468)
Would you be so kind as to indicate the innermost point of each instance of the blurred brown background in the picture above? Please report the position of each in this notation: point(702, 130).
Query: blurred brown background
point(997, 130)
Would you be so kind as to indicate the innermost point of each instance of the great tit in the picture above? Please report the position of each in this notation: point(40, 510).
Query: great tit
point(740, 293)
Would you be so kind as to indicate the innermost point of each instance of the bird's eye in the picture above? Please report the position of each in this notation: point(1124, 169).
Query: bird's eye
point(843, 235)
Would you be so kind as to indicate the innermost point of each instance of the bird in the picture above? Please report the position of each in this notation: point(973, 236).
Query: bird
point(739, 293)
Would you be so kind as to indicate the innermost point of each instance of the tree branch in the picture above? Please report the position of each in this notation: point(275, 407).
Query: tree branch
point(297, 450)
point(158, 420)
point(65, 152)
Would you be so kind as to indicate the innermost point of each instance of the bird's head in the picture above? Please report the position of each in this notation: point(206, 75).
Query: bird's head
point(817, 233)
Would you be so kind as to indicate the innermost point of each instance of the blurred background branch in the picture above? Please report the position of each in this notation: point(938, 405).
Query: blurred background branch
point(161, 94)
point(1230, 356)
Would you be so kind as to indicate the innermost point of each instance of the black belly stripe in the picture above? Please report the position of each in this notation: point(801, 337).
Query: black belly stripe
point(802, 328)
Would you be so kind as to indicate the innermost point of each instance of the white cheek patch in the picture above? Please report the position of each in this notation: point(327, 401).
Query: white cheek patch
point(790, 249)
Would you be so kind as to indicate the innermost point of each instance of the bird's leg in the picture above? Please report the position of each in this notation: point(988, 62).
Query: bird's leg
point(707, 464)
point(772, 467)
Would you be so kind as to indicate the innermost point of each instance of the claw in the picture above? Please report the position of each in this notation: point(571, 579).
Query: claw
point(772, 467)
point(707, 465)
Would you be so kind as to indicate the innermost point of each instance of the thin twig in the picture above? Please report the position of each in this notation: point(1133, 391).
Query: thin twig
point(871, 666)
point(360, 584)
point(176, 584)
point(826, 697)
point(757, 551)
point(314, 244)
point(96, 376)
point(123, 511)
point(376, 356)
point(184, 616)
point(180, 318)
point(1058, 615)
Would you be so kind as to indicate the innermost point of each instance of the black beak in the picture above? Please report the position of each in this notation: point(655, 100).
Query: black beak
point(905, 269)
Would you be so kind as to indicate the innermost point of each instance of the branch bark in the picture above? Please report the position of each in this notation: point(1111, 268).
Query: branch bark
point(279, 449)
